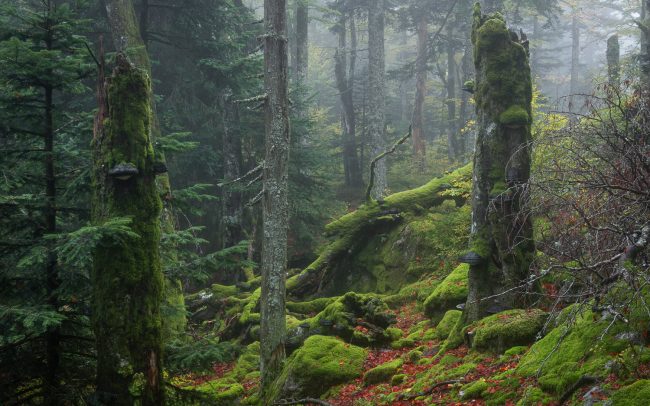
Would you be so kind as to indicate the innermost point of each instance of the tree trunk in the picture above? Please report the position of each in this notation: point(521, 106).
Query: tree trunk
point(419, 146)
point(127, 275)
point(452, 135)
point(575, 59)
point(126, 34)
point(275, 200)
point(613, 60)
point(492, 6)
point(501, 233)
point(344, 83)
point(302, 40)
point(53, 337)
point(232, 232)
point(645, 45)
point(376, 93)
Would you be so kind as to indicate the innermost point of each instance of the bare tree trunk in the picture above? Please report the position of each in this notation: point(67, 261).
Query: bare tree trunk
point(376, 93)
point(345, 86)
point(452, 135)
point(302, 40)
point(645, 45)
point(613, 60)
point(275, 200)
point(127, 274)
point(501, 245)
point(53, 337)
point(419, 146)
point(232, 160)
point(575, 59)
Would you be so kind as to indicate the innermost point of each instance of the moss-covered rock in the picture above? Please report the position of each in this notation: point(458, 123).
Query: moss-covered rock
point(383, 372)
point(221, 392)
point(473, 390)
point(534, 396)
point(635, 394)
point(571, 350)
point(506, 329)
point(449, 320)
point(398, 379)
point(451, 292)
point(321, 363)
point(311, 306)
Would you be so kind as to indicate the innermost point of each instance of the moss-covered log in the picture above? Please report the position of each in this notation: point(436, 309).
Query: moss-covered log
point(351, 230)
point(127, 277)
point(501, 242)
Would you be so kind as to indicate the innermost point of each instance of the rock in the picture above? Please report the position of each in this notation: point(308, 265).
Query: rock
point(383, 372)
point(504, 330)
point(449, 294)
point(322, 362)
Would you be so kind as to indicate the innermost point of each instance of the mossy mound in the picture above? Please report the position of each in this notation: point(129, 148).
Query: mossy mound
point(473, 390)
point(504, 330)
point(451, 292)
point(383, 372)
point(224, 392)
point(449, 320)
point(572, 350)
point(361, 319)
point(636, 394)
point(321, 363)
point(514, 116)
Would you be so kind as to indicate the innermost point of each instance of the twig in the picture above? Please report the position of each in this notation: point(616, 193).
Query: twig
point(246, 175)
point(431, 389)
point(301, 401)
point(259, 98)
point(256, 199)
point(373, 163)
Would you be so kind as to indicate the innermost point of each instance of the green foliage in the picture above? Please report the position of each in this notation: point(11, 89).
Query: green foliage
point(198, 356)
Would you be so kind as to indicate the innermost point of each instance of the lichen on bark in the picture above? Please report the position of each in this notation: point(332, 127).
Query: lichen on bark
point(127, 275)
point(501, 233)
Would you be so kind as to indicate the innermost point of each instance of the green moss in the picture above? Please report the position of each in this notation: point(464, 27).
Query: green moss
point(223, 291)
point(473, 390)
point(398, 379)
point(222, 393)
point(514, 116)
point(449, 320)
point(127, 277)
point(403, 343)
point(249, 314)
point(321, 363)
point(383, 372)
point(636, 394)
point(506, 329)
point(517, 350)
point(403, 241)
point(448, 294)
point(174, 315)
point(572, 350)
point(533, 397)
point(310, 307)
point(414, 355)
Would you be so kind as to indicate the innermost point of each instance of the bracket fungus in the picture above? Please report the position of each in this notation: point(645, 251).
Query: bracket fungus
point(123, 171)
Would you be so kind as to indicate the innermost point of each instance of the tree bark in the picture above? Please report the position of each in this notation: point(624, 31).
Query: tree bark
point(376, 93)
point(613, 60)
point(645, 45)
point(232, 232)
point(302, 40)
point(419, 146)
point(501, 233)
point(575, 59)
point(275, 200)
point(452, 135)
point(127, 276)
point(344, 84)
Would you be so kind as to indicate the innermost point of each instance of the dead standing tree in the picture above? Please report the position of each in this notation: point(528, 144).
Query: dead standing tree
point(501, 247)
